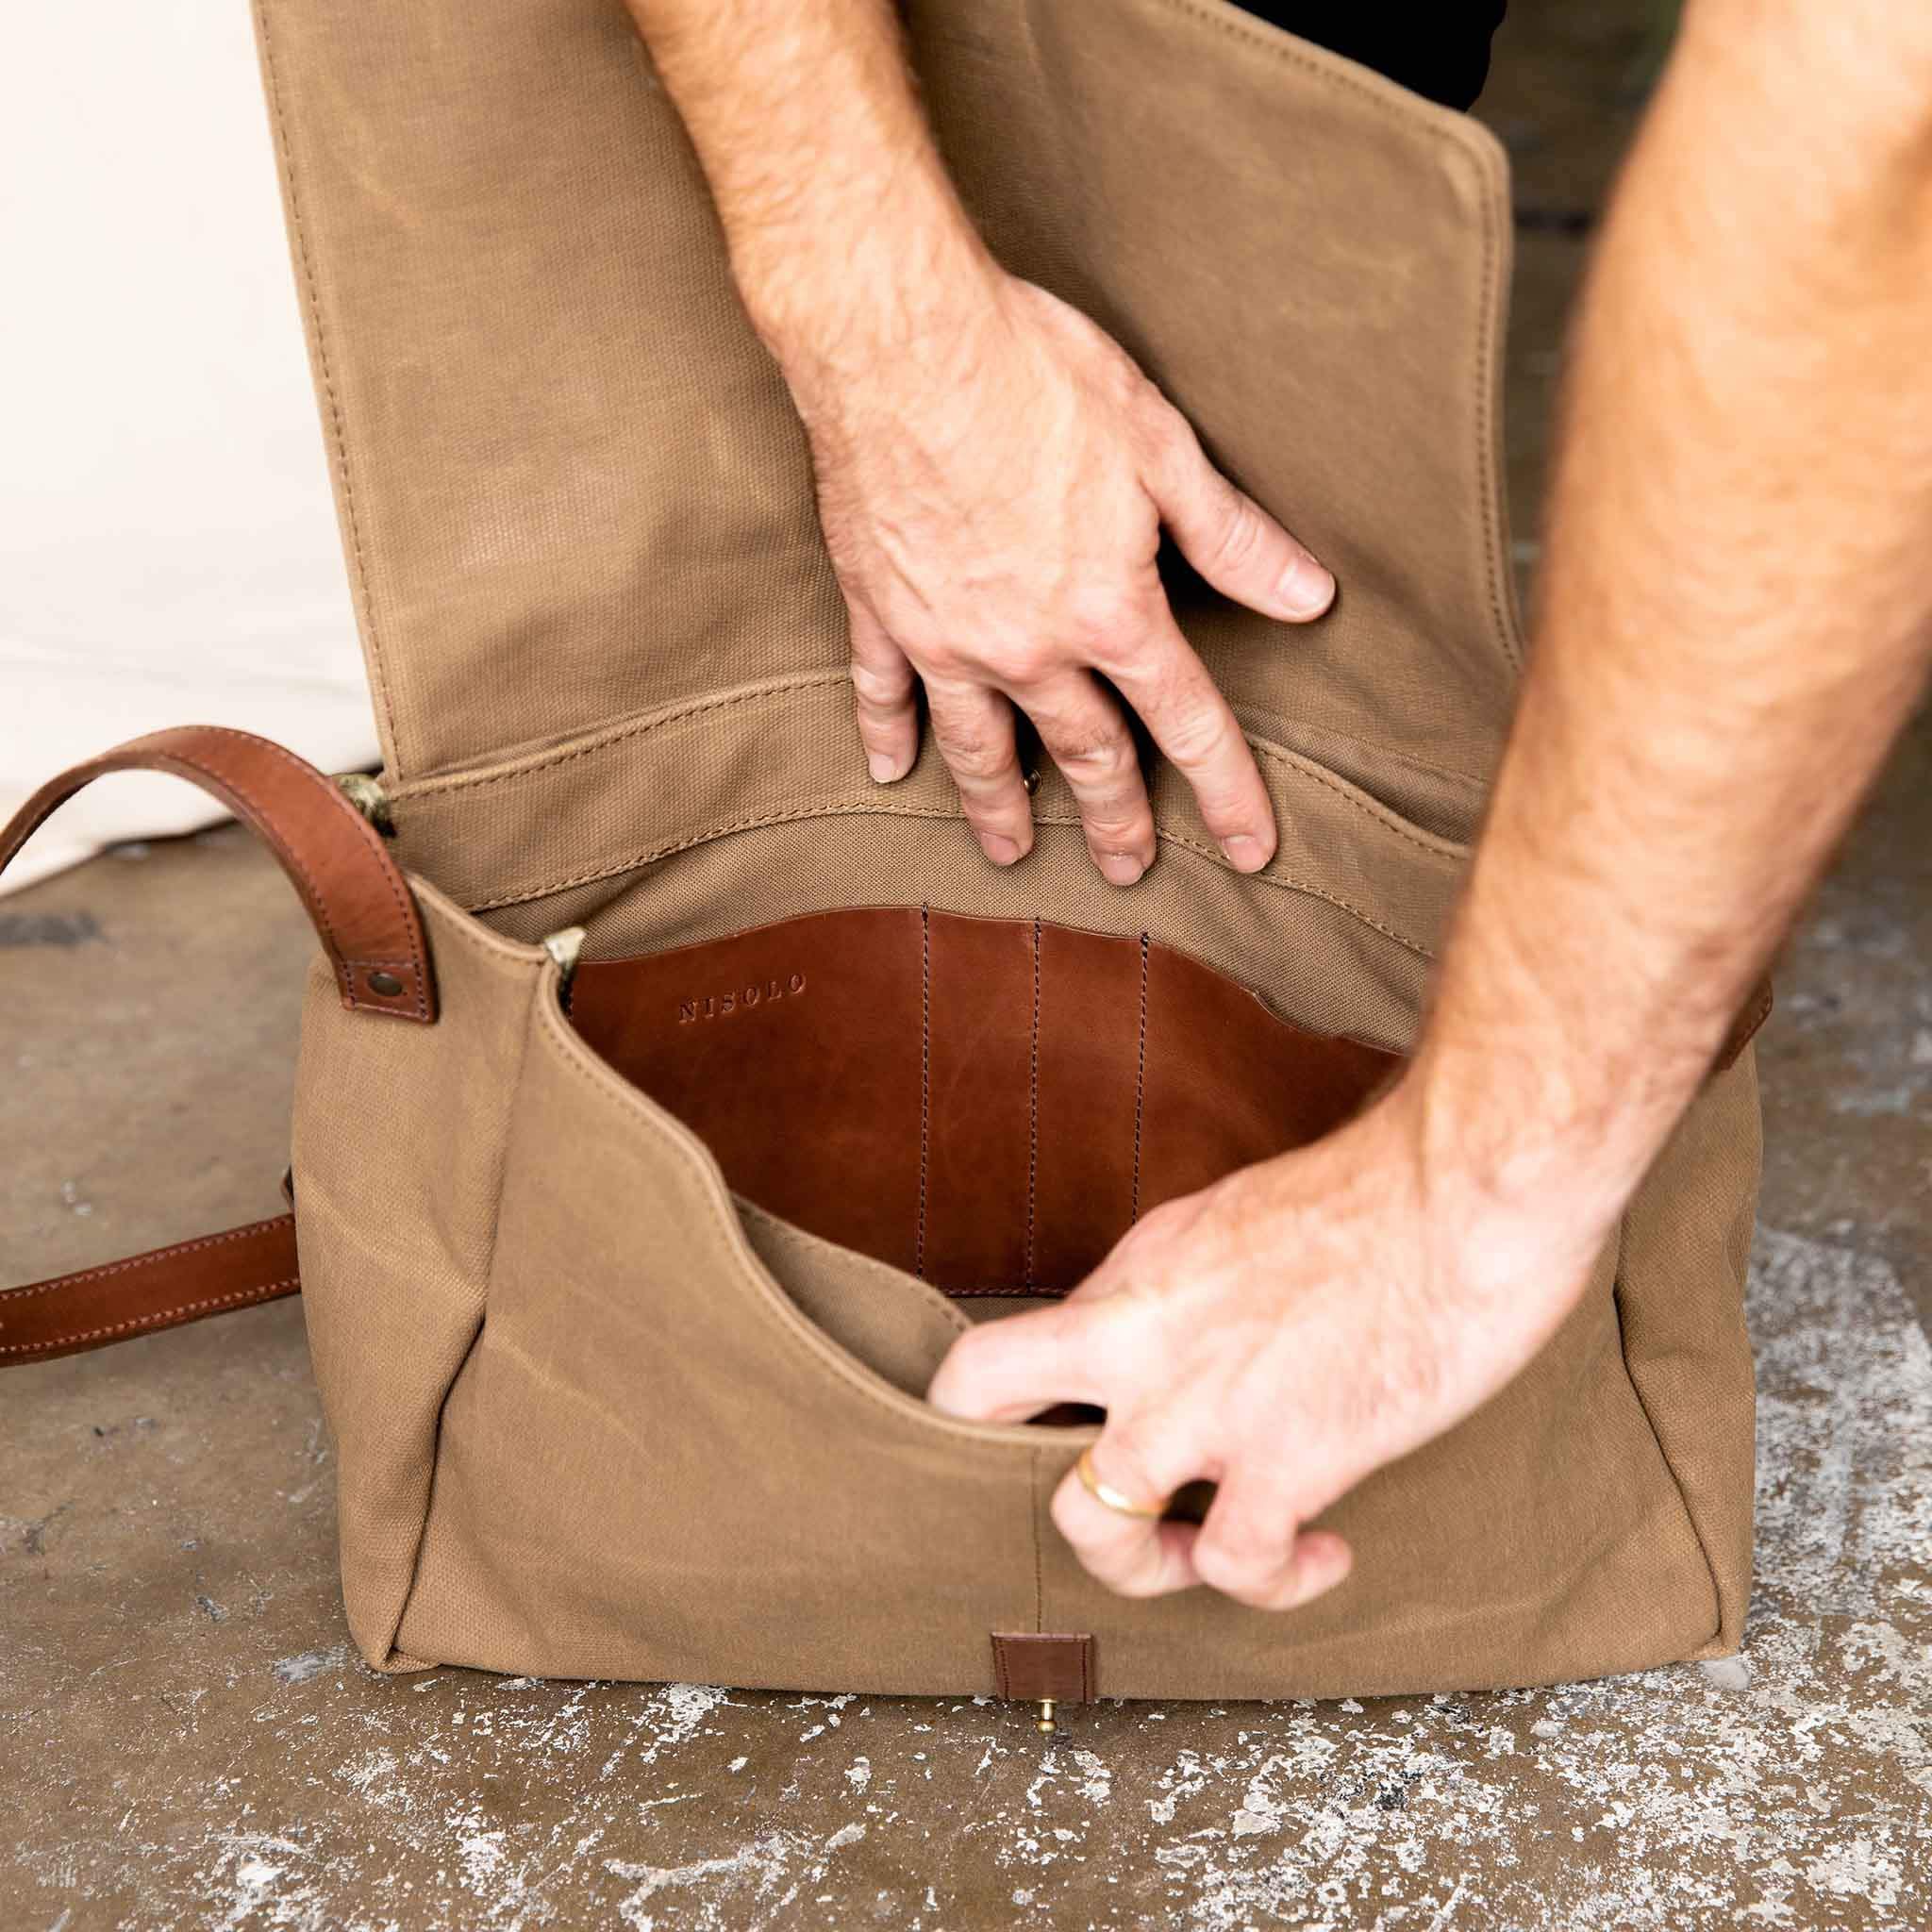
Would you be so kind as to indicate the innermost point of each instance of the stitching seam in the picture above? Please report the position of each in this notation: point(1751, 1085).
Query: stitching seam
point(620, 734)
point(1294, 762)
point(157, 1318)
point(925, 1085)
point(1033, 1119)
point(1453, 144)
point(1282, 881)
point(1140, 1085)
point(299, 233)
point(153, 1258)
point(275, 833)
point(1038, 1582)
point(1389, 822)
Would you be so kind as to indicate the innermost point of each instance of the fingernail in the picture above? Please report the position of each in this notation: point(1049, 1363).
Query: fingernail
point(1245, 853)
point(884, 770)
point(1001, 851)
point(1120, 868)
point(1306, 588)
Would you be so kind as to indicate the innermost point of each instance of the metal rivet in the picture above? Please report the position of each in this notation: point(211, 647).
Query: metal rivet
point(387, 984)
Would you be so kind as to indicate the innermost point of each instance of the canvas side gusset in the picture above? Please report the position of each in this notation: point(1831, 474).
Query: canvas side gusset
point(1687, 1250)
point(398, 1152)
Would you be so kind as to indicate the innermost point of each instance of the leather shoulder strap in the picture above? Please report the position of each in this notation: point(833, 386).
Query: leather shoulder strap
point(161, 1289)
point(367, 919)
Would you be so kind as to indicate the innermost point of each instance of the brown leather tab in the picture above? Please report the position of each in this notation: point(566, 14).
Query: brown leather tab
point(160, 1290)
point(1034, 1665)
point(356, 895)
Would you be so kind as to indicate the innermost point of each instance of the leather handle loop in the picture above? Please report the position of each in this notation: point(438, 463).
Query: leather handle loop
point(355, 895)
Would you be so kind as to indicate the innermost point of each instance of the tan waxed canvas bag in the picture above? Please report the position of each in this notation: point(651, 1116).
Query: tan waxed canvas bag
point(627, 1257)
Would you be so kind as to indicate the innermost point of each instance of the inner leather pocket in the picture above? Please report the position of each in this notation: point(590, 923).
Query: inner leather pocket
point(988, 1104)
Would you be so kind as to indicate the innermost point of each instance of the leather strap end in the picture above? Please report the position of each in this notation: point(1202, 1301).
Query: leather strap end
point(357, 898)
point(162, 1289)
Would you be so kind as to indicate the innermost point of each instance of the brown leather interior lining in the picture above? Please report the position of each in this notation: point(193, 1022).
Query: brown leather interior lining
point(987, 1103)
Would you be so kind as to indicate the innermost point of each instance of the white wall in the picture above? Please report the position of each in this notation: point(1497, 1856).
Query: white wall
point(168, 548)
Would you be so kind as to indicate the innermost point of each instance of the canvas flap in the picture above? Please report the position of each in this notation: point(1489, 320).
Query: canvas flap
point(572, 485)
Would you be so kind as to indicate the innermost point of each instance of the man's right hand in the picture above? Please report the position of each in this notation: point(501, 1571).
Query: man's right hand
point(993, 485)
point(993, 471)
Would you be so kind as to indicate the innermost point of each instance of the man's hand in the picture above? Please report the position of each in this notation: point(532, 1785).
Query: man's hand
point(993, 471)
point(1282, 1334)
point(993, 493)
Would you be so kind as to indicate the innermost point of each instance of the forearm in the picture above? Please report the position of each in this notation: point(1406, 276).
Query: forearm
point(1735, 604)
point(844, 229)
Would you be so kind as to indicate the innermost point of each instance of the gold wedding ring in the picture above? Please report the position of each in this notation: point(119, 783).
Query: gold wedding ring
point(1111, 1498)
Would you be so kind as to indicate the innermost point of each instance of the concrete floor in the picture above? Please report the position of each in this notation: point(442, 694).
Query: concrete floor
point(188, 1743)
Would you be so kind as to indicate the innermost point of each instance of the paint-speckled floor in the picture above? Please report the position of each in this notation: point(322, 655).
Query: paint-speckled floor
point(187, 1742)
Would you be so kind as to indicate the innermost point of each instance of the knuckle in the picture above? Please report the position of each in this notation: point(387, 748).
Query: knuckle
point(1097, 615)
point(1197, 732)
point(973, 753)
point(1021, 662)
point(1128, 1566)
point(1240, 535)
point(1161, 428)
point(1131, 1453)
point(881, 685)
point(1130, 388)
point(1248, 1569)
point(1250, 1540)
point(1093, 761)
point(1117, 829)
point(1161, 1224)
point(964, 1370)
point(976, 1351)
point(1125, 1469)
point(1298, 1588)
point(1076, 1521)
point(937, 660)
point(1142, 1580)
point(1061, 1326)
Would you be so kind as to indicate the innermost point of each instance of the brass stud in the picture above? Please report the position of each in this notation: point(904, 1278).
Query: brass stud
point(1048, 1724)
point(387, 984)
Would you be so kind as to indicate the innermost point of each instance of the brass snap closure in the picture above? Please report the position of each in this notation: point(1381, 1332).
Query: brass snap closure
point(387, 984)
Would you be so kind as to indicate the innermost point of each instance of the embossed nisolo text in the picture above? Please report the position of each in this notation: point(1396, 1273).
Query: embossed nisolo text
point(741, 999)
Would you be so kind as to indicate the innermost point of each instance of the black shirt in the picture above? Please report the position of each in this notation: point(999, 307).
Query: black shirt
point(1442, 51)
